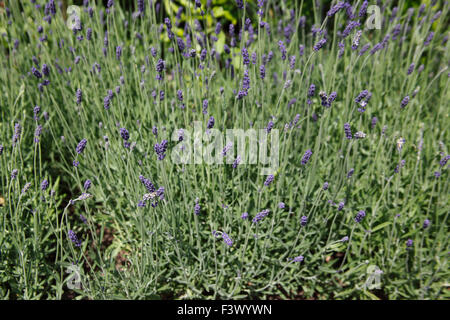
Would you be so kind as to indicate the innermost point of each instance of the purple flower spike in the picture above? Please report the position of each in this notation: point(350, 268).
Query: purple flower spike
point(197, 208)
point(348, 131)
point(360, 216)
point(227, 239)
point(320, 44)
point(36, 72)
point(87, 185)
point(306, 156)
point(298, 259)
point(259, 216)
point(81, 145)
point(409, 243)
point(79, 96)
point(73, 237)
point(147, 184)
point(269, 180)
point(124, 134)
point(236, 162)
point(44, 185)
point(444, 160)
point(14, 174)
point(303, 221)
point(118, 52)
point(160, 149)
point(210, 123)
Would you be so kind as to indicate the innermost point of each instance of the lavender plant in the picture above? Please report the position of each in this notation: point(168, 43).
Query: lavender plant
point(92, 114)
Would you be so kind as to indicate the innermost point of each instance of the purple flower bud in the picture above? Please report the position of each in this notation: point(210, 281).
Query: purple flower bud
point(26, 187)
point(37, 133)
point(44, 185)
point(17, 133)
point(36, 111)
point(78, 96)
point(260, 215)
point(331, 98)
point(45, 70)
point(147, 184)
point(374, 122)
point(348, 131)
point(306, 156)
point(404, 102)
point(36, 73)
point(87, 185)
point(118, 52)
point(89, 34)
point(320, 44)
point(360, 216)
point(269, 180)
point(444, 160)
point(205, 107)
point(269, 126)
point(428, 39)
point(298, 259)
point(410, 69)
point(262, 71)
point(81, 145)
point(364, 49)
point(197, 208)
point(14, 174)
point(292, 62)
point(303, 221)
point(73, 237)
point(160, 66)
point(236, 162)
point(301, 49)
point(333, 10)
point(245, 57)
point(246, 81)
point(160, 149)
point(124, 134)
point(210, 123)
point(227, 239)
point(399, 166)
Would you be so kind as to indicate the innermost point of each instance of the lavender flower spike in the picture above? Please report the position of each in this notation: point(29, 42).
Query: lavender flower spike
point(348, 131)
point(306, 156)
point(73, 237)
point(227, 239)
point(320, 44)
point(81, 145)
point(360, 216)
point(269, 180)
point(259, 216)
